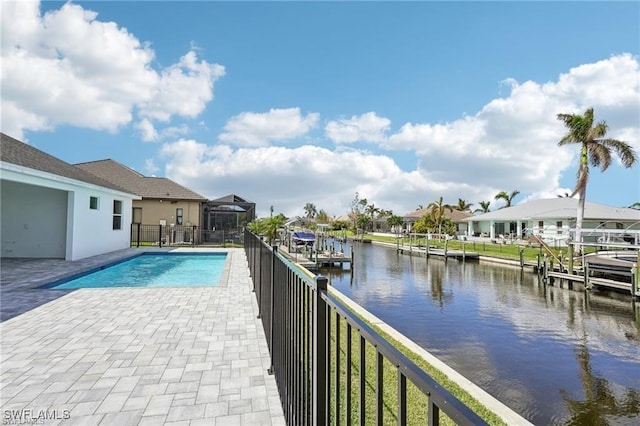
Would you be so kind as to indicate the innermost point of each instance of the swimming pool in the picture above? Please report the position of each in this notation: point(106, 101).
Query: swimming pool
point(153, 270)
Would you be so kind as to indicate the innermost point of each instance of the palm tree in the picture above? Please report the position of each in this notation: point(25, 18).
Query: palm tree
point(595, 150)
point(395, 222)
point(371, 210)
point(508, 198)
point(310, 210)
point(484, 207)
point(437, 212)
point(463, 206)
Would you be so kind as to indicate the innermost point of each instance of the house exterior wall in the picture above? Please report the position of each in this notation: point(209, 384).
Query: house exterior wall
point(153, 211)
point(34, 221)
point(64, 217)
point(93, 231)
point(549, 231)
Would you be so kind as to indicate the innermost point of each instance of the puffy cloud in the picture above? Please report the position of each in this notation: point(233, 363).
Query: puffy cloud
point(511, 143)
point(148, 132)
point(288, 178)
point(259, 129)
point(49, 78)
point(183, 89)
point(367, 127)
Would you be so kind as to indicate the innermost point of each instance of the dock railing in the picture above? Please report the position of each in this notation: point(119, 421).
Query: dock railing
point(303, 325)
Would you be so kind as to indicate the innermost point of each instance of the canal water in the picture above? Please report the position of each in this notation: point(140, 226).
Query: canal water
point(554, 355)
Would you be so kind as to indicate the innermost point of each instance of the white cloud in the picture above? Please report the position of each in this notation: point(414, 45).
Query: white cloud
point(50, 78)
point(148, 132)
point(511, 143)
point(367, 127)
point(150, 166)
point(183, 89)
point(259, 129)
point(287, 178)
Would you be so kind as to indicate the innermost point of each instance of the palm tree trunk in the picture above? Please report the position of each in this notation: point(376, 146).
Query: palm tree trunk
point(579, 218)
point(584, 173)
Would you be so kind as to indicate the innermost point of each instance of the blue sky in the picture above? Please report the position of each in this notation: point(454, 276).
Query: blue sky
point(285, 103)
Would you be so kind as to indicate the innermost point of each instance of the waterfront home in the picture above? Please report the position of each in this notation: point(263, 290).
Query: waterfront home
point(457, 216)
point(162, 201)
point(51, 209)
point(553, 220)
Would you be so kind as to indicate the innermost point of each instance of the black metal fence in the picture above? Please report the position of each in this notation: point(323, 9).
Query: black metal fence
point(322, 377)
point(181, 235)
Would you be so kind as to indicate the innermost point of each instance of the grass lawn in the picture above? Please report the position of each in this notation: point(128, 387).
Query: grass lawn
point(501, 251)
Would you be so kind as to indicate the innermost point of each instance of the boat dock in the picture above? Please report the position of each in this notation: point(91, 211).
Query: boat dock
point(435, 251)
point(313, 259)
point(589, 282)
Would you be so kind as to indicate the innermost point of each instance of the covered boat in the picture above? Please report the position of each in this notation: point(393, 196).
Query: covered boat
point(303, 238)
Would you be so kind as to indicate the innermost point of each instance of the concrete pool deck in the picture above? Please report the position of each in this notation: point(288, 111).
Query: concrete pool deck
point(129, 356)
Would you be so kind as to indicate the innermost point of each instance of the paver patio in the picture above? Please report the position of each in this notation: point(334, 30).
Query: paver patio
point(118, 356)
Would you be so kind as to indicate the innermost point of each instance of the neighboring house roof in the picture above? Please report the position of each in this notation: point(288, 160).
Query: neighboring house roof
point(146, 187)
point(455, 215)
point(231, 198)
point(560, 208)
point(19, 153)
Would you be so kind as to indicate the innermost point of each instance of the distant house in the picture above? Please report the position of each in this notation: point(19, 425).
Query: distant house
point(51, 209)
point(554, 220)
point(457, 216)
point(163, 201)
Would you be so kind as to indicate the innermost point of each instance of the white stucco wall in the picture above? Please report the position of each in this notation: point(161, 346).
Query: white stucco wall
point(86, 232)
point(92, 230)
point(33, 221)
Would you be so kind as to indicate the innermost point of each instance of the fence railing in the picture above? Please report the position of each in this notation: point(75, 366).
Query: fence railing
point(181, 235)
point(330, 366)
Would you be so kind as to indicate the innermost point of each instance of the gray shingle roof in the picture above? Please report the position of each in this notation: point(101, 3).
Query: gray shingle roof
point(561, 208)
point(146, 187)
point(21, 154)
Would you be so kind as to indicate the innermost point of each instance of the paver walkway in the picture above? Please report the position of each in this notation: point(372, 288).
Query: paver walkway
point(119, 356)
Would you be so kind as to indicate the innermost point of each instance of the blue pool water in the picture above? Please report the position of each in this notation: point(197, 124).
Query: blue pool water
point(155, 270)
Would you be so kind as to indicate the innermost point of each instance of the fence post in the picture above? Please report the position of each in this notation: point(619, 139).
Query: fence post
point(273, 279)
point(320, 406)
point(160, 236)
point(521, 253)
point(256, 259)
point(138, 235)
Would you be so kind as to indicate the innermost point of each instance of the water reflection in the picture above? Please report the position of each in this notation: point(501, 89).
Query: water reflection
point(600, 405)
point(554, 355)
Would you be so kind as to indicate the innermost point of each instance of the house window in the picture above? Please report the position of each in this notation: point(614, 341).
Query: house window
point(117, 214)
point(179, 216)
point(540, 226)
point(93, 203)
point(559, 227)
point(137, 215)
